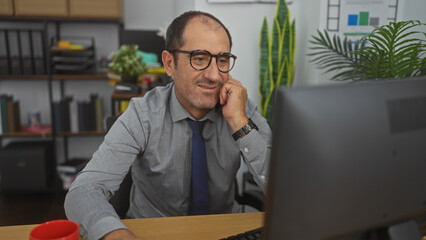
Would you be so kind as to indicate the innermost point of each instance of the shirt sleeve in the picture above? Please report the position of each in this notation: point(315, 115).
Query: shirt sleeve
point(87, 200)
point(256, 147)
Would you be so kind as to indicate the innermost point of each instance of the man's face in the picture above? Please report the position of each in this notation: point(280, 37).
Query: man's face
point(198, 91)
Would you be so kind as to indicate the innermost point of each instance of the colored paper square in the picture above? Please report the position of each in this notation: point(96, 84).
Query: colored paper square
point(364, 18)
point(374, 21)
point(352, 19)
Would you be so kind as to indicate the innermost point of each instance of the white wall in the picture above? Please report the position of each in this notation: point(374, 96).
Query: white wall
point(412, 10)
point(147, 14)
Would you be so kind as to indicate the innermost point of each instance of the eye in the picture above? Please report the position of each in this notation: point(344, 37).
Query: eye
point(223, 60)
point(200, 58)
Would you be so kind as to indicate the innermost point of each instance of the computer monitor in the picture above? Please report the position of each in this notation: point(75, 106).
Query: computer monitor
point(147, 40)
point(347, 160)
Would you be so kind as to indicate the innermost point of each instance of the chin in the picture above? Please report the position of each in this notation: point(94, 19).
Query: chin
point(206, 104)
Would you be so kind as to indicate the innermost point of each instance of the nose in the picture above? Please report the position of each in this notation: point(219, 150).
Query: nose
point(212, 72)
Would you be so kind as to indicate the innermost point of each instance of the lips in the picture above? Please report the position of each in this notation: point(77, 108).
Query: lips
point(208, 87)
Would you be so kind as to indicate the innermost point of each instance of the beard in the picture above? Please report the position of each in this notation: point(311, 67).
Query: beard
point(195, 98)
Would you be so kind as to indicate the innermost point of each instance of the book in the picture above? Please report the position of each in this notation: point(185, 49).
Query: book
point(57, 116)
point(99, 114)
point(92, 112)
point(68, 171)
point(13, 116)
point(74, 116)
point(123, 105)
point(127, 88)
point(83, 117)
point(66, 113)
point(62, 115)
point(1, 121)
point(3, 107)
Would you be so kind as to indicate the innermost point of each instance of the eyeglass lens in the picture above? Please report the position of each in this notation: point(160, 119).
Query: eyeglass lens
point(201, 60)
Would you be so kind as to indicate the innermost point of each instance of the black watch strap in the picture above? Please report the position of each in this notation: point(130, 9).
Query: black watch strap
point(244, 130)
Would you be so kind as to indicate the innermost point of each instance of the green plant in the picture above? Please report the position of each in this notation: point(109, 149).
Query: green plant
point(391, 51)
point(277, 53)
point(126, 62)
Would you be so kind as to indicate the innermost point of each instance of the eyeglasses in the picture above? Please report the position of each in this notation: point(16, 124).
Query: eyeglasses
point(201, 59)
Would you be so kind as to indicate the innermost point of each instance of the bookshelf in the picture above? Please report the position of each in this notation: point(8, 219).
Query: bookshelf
point(59, 77)
point(117, 99)
point(52, 27)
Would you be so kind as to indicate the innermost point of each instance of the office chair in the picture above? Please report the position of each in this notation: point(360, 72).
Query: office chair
point(253, 197)
point(121, 199)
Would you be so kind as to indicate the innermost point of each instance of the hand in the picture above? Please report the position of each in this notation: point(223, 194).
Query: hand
point(233, 98)
point(121, 234)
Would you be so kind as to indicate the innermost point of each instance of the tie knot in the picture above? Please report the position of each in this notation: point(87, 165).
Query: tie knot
point(196, 126)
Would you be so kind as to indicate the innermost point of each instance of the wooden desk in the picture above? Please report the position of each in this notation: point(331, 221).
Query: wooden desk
point(194, 227)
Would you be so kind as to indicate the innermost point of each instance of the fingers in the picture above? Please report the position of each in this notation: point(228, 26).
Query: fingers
point(231, 86)
point(224, 91)
point(227, 89)
point(232, 80)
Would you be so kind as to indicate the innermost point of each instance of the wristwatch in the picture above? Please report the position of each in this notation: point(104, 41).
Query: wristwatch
point(244, 130)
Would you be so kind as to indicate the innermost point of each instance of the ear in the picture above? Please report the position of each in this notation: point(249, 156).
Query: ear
point(168, 62)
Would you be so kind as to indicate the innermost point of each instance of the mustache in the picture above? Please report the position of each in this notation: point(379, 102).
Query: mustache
point(209, 82)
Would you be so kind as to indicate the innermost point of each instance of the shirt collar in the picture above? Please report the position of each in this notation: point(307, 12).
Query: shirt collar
point(178, 112)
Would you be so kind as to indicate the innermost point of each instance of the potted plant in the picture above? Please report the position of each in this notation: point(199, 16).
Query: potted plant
point(391, 51)
point(127, 63)
point(277, 52)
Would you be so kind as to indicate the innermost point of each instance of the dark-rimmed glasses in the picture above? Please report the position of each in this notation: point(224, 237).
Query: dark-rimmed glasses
point(201, 59)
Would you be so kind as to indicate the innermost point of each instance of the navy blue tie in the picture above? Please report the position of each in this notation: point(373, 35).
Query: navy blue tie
point(199, 191)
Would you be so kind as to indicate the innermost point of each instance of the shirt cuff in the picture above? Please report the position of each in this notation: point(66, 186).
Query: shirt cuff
point(253, 147)
point(105, 226)
point(250, 146)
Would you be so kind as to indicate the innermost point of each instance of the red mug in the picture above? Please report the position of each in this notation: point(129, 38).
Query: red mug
point(55, 230)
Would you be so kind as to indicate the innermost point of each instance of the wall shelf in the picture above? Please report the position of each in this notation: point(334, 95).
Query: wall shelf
point(26, 134)
point(84, 133)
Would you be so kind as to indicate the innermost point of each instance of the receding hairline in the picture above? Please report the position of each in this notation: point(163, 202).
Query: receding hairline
point(206, 21)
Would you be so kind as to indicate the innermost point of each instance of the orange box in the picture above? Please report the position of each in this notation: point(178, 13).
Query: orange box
point(6, 8)
point(96, 8)
point(42, 8)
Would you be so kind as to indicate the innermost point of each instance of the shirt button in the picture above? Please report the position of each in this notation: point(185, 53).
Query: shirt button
point(246, 150)
point(262, 177)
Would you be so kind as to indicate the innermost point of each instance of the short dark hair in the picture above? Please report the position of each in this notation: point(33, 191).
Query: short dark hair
point(174, 35)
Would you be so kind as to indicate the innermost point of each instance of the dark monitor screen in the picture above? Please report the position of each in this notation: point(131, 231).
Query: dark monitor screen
point(347, 159)
point(147, 40)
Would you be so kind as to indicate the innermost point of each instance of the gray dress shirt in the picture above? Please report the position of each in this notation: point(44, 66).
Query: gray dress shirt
point(153, 136)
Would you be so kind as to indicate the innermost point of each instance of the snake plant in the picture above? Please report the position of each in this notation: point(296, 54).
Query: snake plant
point(395, 50)
point(277, 53)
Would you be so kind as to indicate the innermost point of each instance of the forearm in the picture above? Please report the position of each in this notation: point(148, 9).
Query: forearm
point(92, 211)
point(87, 200)
point(256, 154)
point(121, 234)
point(255, 148)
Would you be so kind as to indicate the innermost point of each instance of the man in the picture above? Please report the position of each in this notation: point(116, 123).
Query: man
point(155, 136)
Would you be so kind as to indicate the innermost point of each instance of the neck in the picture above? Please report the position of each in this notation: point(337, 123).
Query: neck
point(197, 113)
